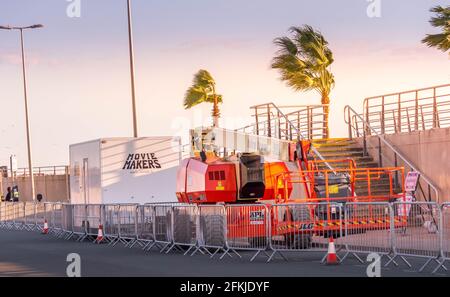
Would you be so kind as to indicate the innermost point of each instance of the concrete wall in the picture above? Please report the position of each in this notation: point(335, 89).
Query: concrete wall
point(52, 187)
point(428, 151)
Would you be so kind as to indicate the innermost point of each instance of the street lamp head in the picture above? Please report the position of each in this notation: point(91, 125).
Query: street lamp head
point(36, 26)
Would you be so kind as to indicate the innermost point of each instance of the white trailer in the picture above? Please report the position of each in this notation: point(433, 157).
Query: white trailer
point(124, 170)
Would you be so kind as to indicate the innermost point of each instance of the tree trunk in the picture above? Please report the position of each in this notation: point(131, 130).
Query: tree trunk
point(326, 111)
point(215, 113)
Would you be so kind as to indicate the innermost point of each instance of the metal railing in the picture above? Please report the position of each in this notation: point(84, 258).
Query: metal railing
point(393, 230)
point(43, 170)
point(407, 111)
point(287, 122)
point(290, 125)
point(395, 157)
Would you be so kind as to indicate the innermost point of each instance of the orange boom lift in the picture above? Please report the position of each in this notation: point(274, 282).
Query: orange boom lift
point(249, 178)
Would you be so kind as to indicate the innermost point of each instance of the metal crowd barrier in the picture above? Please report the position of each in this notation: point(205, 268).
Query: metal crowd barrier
point(18, 215)
point(393, 230)
point(420, 237)
point(127, 220)
point(145, 226)
point(368, 229)
point(56, 219)
point(67, 221)
point(162, 227)
point(111, 228)
point(212, 229)
point(248, 228)
point(2, 215)
point(184, 222)
point(304, 227)
point(445, 236)
point(95, 217)
point(29, 221)
point(78, 222)
point(39, 216)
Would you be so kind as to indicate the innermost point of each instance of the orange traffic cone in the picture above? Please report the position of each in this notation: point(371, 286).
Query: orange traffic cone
point(45, 230)
point(99, 234)
point(331, 255)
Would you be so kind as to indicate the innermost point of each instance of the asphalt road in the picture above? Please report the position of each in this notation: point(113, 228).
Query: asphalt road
point(32, 254)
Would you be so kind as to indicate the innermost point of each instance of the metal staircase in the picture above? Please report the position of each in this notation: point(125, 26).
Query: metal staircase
point(345, 148)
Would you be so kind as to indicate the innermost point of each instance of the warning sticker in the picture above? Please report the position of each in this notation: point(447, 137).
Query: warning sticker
point(333, 189)
point(220, 187)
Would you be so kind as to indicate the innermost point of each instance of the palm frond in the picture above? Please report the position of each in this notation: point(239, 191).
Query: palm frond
point(194, 96)
point(302, 60)
point(286, 46)
point(202, 90)
point(204, 79)
point(439, 41)
point(442, 16)
point(441, 20)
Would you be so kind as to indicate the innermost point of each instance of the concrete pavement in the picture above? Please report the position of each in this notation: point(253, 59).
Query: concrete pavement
point(32, 254)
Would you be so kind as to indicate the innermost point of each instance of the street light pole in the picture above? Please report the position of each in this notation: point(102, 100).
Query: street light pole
point(133, 90)
point(27, 123)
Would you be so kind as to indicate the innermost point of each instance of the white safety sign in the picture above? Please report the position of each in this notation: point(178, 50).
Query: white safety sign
point(412, 178)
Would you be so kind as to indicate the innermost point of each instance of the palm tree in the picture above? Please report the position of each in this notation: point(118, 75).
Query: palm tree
point(302, 61)
point(440, 20)
point(203, 89)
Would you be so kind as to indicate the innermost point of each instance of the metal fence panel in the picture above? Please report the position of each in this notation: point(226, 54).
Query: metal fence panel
point(30, 216)
point(19, 215)
point(127, 216)
point(145, 222)
point(95, 217)
point(79, 221)
point(7, 215)
point(2, 214)
point(302, 227)
point(162, 226)
point(111, 228)
point(420, 237)
point(40, 216)
point(57, 219)
point(212, 228)
point(67, 222)
point(48, 206)
point(368, 228)
point(248, 228)
point(185, 227)
point(10, 215)
point(445, 236)
point(445, 230)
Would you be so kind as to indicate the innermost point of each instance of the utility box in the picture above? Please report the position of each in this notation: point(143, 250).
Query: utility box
point(124, 170)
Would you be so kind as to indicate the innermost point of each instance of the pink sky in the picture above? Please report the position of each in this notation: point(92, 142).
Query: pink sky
point(79, 88)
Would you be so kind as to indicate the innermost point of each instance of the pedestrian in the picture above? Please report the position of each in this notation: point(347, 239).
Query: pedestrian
point(15, 194)
point(8, 195)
